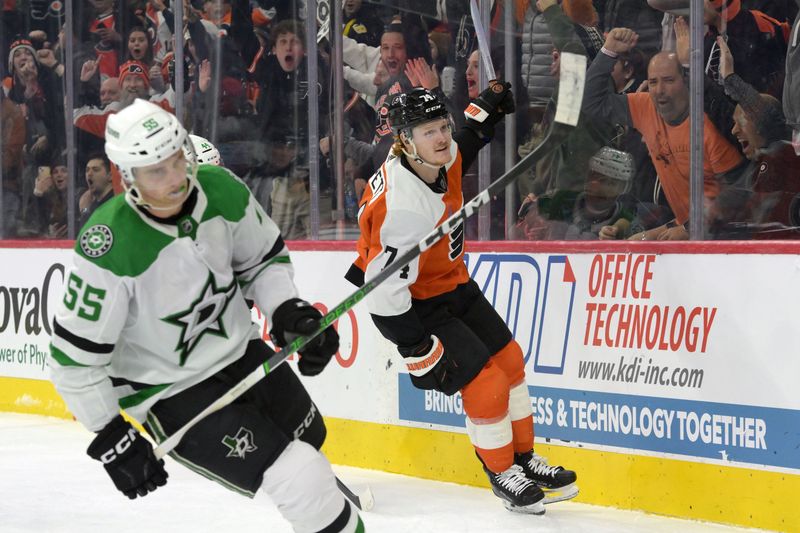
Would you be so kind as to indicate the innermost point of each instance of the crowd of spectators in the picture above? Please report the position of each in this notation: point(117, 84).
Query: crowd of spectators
point(622, 173)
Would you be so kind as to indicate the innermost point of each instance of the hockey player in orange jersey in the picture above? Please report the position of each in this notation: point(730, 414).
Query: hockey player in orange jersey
point(450, 337)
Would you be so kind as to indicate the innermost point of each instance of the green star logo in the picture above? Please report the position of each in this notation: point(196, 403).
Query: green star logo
point(204, 316)
point(97, 240)
point(241, 444)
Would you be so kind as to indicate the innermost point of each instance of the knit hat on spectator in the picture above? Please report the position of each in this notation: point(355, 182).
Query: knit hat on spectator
point(134, 68)
point(730, 8)
point(20, 44)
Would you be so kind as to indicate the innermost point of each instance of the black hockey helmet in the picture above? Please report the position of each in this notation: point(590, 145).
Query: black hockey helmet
point(410, 109)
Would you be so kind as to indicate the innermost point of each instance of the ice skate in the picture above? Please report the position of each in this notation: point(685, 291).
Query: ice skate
point(557, 483)
point(519, 494)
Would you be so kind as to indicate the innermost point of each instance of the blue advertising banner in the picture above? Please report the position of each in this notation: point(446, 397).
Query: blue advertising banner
point(739, 433)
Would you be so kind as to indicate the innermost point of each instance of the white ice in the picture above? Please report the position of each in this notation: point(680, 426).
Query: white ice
point(49, 484)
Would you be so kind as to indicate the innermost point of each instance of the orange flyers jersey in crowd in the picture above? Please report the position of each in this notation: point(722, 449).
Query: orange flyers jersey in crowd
point(396, 212)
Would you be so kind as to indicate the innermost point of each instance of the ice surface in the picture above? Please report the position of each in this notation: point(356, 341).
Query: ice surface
point(49, 484)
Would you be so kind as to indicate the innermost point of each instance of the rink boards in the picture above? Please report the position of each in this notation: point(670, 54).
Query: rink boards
point(664, 374)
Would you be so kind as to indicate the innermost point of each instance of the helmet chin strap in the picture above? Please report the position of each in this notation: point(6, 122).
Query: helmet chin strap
point(132, 192)
point(416, 157)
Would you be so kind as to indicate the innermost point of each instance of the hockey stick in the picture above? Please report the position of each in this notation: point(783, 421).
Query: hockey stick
point(483, 44)
point(556, 133)
point(364, 502)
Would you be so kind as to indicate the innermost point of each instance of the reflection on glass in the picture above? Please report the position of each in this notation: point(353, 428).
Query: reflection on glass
point(247, 92)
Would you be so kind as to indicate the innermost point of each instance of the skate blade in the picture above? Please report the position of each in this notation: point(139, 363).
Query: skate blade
point(534, 508)
point(560, 494)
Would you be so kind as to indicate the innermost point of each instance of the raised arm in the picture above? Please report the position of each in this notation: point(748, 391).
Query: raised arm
point(599, 98)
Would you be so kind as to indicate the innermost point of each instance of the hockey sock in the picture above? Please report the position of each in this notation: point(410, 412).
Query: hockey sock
point(519, 409)
point(303, 487)
point(488, 423)
point(492, 442)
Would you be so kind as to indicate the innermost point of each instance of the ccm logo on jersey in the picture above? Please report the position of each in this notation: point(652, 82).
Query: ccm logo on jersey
point(119, 448)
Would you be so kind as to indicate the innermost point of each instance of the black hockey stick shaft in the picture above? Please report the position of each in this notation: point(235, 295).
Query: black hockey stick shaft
point(556, 133)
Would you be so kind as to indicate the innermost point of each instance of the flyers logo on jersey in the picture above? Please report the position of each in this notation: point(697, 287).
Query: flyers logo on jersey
point(475, 113)
point(456, 239)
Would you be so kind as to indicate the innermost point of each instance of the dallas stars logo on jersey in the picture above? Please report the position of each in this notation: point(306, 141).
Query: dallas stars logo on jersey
point(240, 444)
point(97, 240)
point(204, 315)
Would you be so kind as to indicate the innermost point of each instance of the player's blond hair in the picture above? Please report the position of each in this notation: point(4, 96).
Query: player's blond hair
point(397, 146)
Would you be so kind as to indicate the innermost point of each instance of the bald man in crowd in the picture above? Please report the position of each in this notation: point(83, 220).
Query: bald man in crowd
point(660, 115)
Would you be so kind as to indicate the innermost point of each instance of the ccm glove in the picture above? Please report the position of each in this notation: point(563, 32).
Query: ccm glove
point(296, 317)
point(490, 106)
point(426, 363)
point(128, 458)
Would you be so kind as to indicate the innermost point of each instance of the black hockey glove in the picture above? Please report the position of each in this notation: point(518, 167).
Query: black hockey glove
point(128, 458)
point(426, 362)
point(490, 106)
point(296, 317)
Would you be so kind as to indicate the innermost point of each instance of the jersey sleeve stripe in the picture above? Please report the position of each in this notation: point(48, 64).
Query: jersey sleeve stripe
point(127, 402)
point(277, 248)
point(79, 342)
point(135, 385)
point(282, 259)
point(63, 359)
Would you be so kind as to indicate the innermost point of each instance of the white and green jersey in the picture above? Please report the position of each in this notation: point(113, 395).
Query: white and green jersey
point(151, 309)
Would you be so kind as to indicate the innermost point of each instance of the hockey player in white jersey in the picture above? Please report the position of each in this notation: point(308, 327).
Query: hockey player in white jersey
point(450, 337)
point(154, 321)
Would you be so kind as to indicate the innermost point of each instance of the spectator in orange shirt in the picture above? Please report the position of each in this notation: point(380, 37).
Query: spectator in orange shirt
point(661, 117)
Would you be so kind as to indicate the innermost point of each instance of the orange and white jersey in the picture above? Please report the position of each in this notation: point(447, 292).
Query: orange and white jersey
point(397, 211)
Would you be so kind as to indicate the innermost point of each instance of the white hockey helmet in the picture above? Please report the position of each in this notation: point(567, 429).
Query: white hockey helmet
point(206, 152)
point(144, 134)
point(614, 164)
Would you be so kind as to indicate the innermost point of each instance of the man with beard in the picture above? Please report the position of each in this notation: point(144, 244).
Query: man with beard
point(98, 179)
point(134, 82)
point(660, 115)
